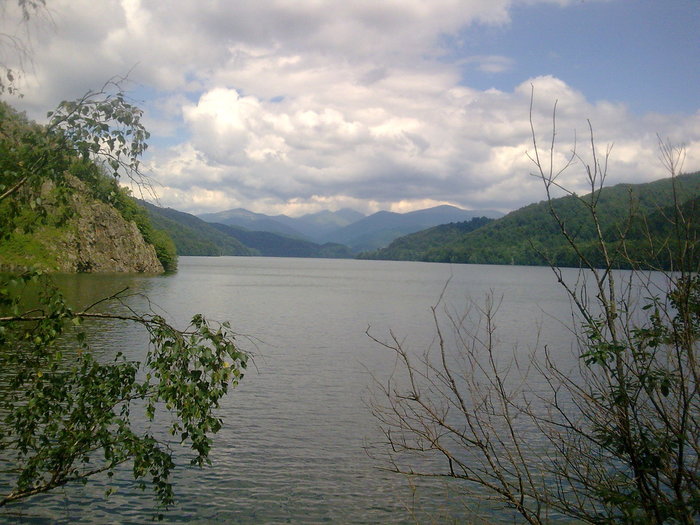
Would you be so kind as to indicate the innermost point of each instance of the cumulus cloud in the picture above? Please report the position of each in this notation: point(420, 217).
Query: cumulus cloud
point(443, 144)
point(293, 107)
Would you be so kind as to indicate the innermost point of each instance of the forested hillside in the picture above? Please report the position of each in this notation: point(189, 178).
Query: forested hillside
point(530, 236)
point(62, 212)
point(413, 247)
point(193, 236)
point(273, 245)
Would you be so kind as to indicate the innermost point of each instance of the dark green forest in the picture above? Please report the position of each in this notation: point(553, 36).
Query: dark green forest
point(38, 173)
point(413, 247)
point(633, 213)
point(193, 236)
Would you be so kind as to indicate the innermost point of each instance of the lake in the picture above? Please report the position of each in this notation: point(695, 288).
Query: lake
point(293, 448)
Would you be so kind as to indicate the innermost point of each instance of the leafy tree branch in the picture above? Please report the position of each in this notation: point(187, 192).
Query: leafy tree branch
point(68, 417)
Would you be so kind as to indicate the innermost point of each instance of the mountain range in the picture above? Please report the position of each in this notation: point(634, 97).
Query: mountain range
point(342, 233)
point(528, 235)
point(346, 226)
point(313, 226)
point(54, 227)
point(644, 213)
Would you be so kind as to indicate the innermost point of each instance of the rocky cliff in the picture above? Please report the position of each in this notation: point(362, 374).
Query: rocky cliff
point(94, 238)
point(100, 240)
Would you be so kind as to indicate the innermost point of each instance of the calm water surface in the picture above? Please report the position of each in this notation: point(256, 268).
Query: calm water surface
point(293, 445)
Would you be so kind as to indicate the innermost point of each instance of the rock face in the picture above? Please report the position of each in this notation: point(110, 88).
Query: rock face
point(95, 238)
point(100, 240)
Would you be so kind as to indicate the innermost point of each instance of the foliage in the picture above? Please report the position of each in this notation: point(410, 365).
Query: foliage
point(67, 416)
point(271, 244)
point(26, 250)
point(29, 158)
point(531, 236)
point(193, 236)
point(165, 248)
point(415, 246)
point(105, 127)
point(34, 162)
point(617, 439)
point(102, 126)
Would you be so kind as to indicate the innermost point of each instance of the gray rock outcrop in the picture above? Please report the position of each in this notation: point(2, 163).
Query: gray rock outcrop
point(94, 238)
point(101, 241)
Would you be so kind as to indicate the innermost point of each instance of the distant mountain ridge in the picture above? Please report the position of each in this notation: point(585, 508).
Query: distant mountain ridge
point(381, 228)
point(193, 236)
point(270, 244)
point(347, 226)
point(253, 221)
point(530, 236)
point(312, 226)
point(525, 236)
point(317, 226)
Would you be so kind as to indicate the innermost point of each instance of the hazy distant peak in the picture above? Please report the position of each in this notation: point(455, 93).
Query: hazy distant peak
point(347, 214)
point(347, 226)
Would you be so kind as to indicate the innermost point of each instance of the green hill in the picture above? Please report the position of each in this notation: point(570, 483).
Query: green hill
point(414, 246)
point(62, 212)
point(271, 244)
point(193, 236)
point(530, 235)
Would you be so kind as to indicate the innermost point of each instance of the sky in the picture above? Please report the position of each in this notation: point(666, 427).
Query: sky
point(296, 106)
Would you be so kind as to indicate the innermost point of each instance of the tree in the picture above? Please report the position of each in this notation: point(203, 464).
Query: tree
point(616, 441)
point(102, 126)
point(66, 415)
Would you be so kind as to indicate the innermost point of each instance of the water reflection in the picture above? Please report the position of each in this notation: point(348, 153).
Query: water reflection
point(293, 445)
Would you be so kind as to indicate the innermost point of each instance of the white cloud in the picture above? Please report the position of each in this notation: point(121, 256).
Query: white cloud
point(287, 106)
point(445, 144)
point(490, 63)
